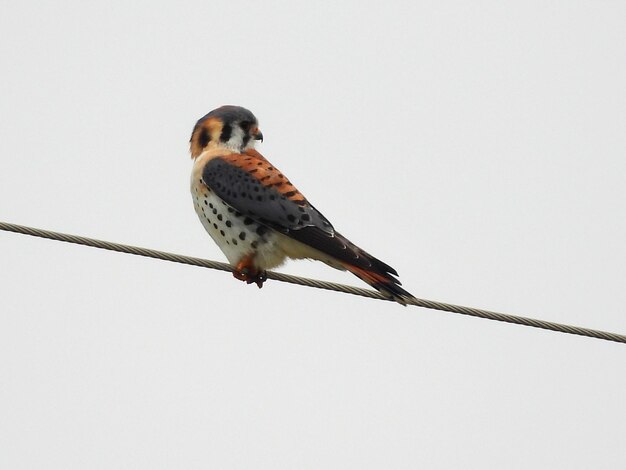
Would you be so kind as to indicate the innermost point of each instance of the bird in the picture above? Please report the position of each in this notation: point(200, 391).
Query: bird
point(255, 214)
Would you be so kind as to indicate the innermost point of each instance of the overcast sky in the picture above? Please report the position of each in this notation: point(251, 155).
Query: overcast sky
point(477, 147)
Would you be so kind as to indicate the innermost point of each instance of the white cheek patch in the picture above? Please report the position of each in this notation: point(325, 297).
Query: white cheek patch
point(236, 140)
point(236, 137)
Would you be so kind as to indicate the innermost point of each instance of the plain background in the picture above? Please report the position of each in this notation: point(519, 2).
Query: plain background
point(477, 147)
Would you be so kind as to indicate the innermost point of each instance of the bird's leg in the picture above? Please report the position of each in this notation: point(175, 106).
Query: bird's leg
point(246, 271)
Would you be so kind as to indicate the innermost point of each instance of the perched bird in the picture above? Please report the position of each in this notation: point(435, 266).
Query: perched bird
point(257, 216)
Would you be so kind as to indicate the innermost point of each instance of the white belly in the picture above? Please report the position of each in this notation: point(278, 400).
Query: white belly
point(235, 234)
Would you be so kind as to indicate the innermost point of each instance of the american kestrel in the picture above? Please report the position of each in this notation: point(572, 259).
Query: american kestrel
point(257, 216)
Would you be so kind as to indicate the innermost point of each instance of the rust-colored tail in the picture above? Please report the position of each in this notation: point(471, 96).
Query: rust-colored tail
point(381, 280)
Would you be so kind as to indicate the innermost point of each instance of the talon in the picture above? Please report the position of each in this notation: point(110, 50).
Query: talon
point(261, 277)
point(246, 271)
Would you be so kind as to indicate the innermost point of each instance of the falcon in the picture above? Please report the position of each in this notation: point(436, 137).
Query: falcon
point(257, 216)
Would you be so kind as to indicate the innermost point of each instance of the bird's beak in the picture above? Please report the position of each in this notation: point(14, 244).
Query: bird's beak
point(258, 135)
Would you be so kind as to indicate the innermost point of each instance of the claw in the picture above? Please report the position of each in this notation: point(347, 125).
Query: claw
point(261, 277)
point(245, 271)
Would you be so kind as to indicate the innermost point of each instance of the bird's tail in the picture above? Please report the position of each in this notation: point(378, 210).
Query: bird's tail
point(381, 277)
point(385, 283)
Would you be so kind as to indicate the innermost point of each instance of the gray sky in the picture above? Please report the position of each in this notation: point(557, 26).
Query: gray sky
point(477, 147)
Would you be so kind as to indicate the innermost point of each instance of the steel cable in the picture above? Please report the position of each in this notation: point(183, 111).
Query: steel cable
point(430, 304)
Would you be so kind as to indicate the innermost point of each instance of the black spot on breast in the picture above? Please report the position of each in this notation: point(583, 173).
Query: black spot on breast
point(254, 244)
point(234, 241)
point(261, 230)
point(229, 223)
point(219, 217)
point(242, 235)
point(223, 233)
point(215, 226)
point(210, 205)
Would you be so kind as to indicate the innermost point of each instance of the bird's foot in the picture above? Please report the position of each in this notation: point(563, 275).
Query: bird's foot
point(247, 272)
point(260, 278)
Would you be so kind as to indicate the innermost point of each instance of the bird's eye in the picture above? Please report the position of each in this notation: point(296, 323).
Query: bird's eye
point(245, 125)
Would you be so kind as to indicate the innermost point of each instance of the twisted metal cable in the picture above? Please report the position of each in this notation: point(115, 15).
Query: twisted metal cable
point(474, 312)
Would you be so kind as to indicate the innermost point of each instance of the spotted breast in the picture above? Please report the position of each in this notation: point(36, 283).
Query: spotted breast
point(236, 234)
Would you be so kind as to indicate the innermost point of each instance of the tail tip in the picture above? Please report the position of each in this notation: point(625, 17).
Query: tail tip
point(394, 292)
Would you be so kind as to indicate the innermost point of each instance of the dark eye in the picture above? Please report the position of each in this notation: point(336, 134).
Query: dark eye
point(245, 125)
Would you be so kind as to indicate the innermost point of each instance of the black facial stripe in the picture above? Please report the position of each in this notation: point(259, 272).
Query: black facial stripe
point(246, 139)
point(229, 115)
point(227, 131)
point(204, 138)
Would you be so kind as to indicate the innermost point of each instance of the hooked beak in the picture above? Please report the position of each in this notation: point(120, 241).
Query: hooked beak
point(258, 135)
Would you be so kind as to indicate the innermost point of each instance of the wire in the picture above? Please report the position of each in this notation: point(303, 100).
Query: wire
point(474, 312)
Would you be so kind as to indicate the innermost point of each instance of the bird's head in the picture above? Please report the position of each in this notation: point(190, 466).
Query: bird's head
point(232, 127)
